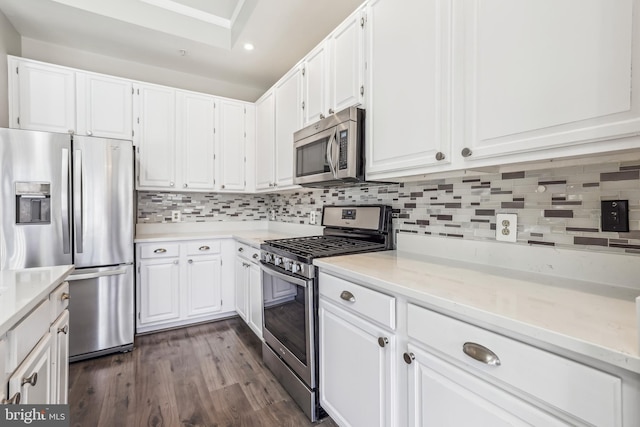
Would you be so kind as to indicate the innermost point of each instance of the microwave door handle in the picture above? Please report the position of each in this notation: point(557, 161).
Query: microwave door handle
point(330, 155)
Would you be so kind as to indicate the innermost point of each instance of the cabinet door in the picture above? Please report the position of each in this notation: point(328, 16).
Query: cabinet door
point(195, 139)
point(242, 289)
point(104, 106)
point(355, 369)
point(155, 136)
point(159, 289)
point(33, 377)
point(203, 285)
point(442, 395)
point(46, 97)
point(60, 360)
point(531, 85)
point(346, 76)
point(255, 299)
point(288, 120)
point(231, 158)
point(315, 77)
point(408, 120)
point(265, 141)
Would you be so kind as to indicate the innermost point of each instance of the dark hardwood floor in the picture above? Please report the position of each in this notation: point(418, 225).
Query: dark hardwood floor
point(204, 375)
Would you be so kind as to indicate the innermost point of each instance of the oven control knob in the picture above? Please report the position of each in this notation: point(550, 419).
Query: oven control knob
point(268, 257)
point(279, 261)
point(296, 267)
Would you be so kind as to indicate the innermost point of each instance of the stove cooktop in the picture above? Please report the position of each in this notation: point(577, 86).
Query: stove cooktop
point(321, 246)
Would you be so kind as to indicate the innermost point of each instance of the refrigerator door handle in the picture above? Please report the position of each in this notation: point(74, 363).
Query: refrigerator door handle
point(78, 204)
point(66, 231)
point(96, 274)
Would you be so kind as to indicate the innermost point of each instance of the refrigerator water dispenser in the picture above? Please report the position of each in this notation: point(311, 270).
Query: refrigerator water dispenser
point(33, 203)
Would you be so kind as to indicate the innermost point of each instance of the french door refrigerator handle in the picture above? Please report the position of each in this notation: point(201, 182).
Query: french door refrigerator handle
point(64, 202)
point(77, 200)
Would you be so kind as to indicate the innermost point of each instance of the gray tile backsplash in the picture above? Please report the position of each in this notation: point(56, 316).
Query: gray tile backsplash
point(555, 207)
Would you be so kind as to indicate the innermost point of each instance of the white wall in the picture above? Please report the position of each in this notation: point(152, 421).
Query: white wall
point(9, 45)
point(61, 55)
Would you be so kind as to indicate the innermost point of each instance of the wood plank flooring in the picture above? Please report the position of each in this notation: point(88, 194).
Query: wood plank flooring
point(205, 375)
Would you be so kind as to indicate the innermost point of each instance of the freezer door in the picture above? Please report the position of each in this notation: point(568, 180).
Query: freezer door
point(101, 310)
point(34, 199)
point(102, 201)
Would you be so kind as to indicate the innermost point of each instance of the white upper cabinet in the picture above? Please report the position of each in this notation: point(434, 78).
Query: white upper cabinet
point(232, 137)
point(315, 72)
point(265, 141)
point(288, 107)
point(155, 112)
point(409, 95)
point(42, 96)
point(195, 139)
point(541, 75)
point(346, 63)
point(104, 106)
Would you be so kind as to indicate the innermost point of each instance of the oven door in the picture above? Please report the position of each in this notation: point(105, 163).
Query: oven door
point(289, 321)
point(315, 158)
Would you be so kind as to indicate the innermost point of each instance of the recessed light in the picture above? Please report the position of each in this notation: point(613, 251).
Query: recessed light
point(248, 46)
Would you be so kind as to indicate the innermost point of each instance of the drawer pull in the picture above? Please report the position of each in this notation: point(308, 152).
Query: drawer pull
point(190, 261)
point(481, 354)
point(256, 256)
point(204, 248)
point(64, 329)
point(347, 296)
point(240, 249)
point(383, 341)
point(14, 400)
point(32, 380)
point(160, 251)
point(64, 296)
point(408, 358)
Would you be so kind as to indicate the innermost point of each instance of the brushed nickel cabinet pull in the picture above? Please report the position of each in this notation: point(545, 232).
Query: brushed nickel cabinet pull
point(408, 358)
point(31, 380)
point(440, 156)
point(466, 152)
point(481, 353)
point(347, 296)
point(160, 251)
point(64, 329)
point(14, 400)
point(64, 296)
point(204, 248)
point(383, 341)
point(256, 256)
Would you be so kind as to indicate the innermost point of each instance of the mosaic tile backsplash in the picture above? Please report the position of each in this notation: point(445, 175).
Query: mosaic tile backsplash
point(555, 207)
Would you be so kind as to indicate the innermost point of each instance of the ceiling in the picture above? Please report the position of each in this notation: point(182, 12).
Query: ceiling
point(200, 37)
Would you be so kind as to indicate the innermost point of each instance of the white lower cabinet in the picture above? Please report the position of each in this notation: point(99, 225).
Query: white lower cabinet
point(60, 358)
point(32, 379)
point(249, 297)
point(183, 282)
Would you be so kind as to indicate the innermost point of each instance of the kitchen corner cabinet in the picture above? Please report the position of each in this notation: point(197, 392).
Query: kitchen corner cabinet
point(265, 141)
point(249, 298)
point(183, 282)
point(288, 115)
point(234, 118)
point(409, 86)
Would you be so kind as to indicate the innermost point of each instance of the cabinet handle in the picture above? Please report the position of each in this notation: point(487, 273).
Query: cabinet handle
point(171, 184)
point(175, 262)
point(14, 400)
point(64, 329)
point(466, 152)
point(89, 133)
point(408, 358)
point(347, 296)
point(331, 111)
point(64, 296)
point(440, 156)
point(321, 116)
point(190, 261)
point(240, 249)
point(160, 251)
point(361, 90)
point(256, 256)
point(481, 354)
point(185, 185)
point(383, 341)
point(32, 380)
point(204, 248)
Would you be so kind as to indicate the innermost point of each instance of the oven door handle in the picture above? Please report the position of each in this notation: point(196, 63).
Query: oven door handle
point(296, 281)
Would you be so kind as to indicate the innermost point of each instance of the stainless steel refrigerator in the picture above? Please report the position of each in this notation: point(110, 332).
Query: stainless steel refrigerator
point(70, 200)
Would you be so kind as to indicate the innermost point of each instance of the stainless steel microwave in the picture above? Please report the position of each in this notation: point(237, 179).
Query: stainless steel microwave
point(330, 151)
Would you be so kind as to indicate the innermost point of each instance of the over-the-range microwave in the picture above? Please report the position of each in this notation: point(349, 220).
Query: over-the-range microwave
point(331, 151)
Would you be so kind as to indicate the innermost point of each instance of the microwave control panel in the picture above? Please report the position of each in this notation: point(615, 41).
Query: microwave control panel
point(343, 144)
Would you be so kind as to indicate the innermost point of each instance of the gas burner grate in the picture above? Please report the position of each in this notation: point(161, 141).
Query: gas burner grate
point(323, 246)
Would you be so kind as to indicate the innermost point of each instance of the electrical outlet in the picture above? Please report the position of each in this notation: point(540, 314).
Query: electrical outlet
point(312, 217)
point(507, 227)
point(175, 216)
point(614, 215)
point(272, 215)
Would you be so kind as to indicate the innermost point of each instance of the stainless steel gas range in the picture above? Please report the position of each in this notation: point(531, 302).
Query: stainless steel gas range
point(289, 278)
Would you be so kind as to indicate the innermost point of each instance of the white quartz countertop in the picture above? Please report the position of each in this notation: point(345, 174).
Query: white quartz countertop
point(586, 318)
point(22, 290)
point(250, 237)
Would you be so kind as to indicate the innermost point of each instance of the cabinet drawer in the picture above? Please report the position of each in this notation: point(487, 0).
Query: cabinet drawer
point(375, 305)
point(250, 253)
point(27, 333)
point(203, 247)
point(159, 250)
point(59, 300)
point(579, 390)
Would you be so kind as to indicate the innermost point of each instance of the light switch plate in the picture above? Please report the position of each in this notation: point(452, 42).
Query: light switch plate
point(506, 227)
